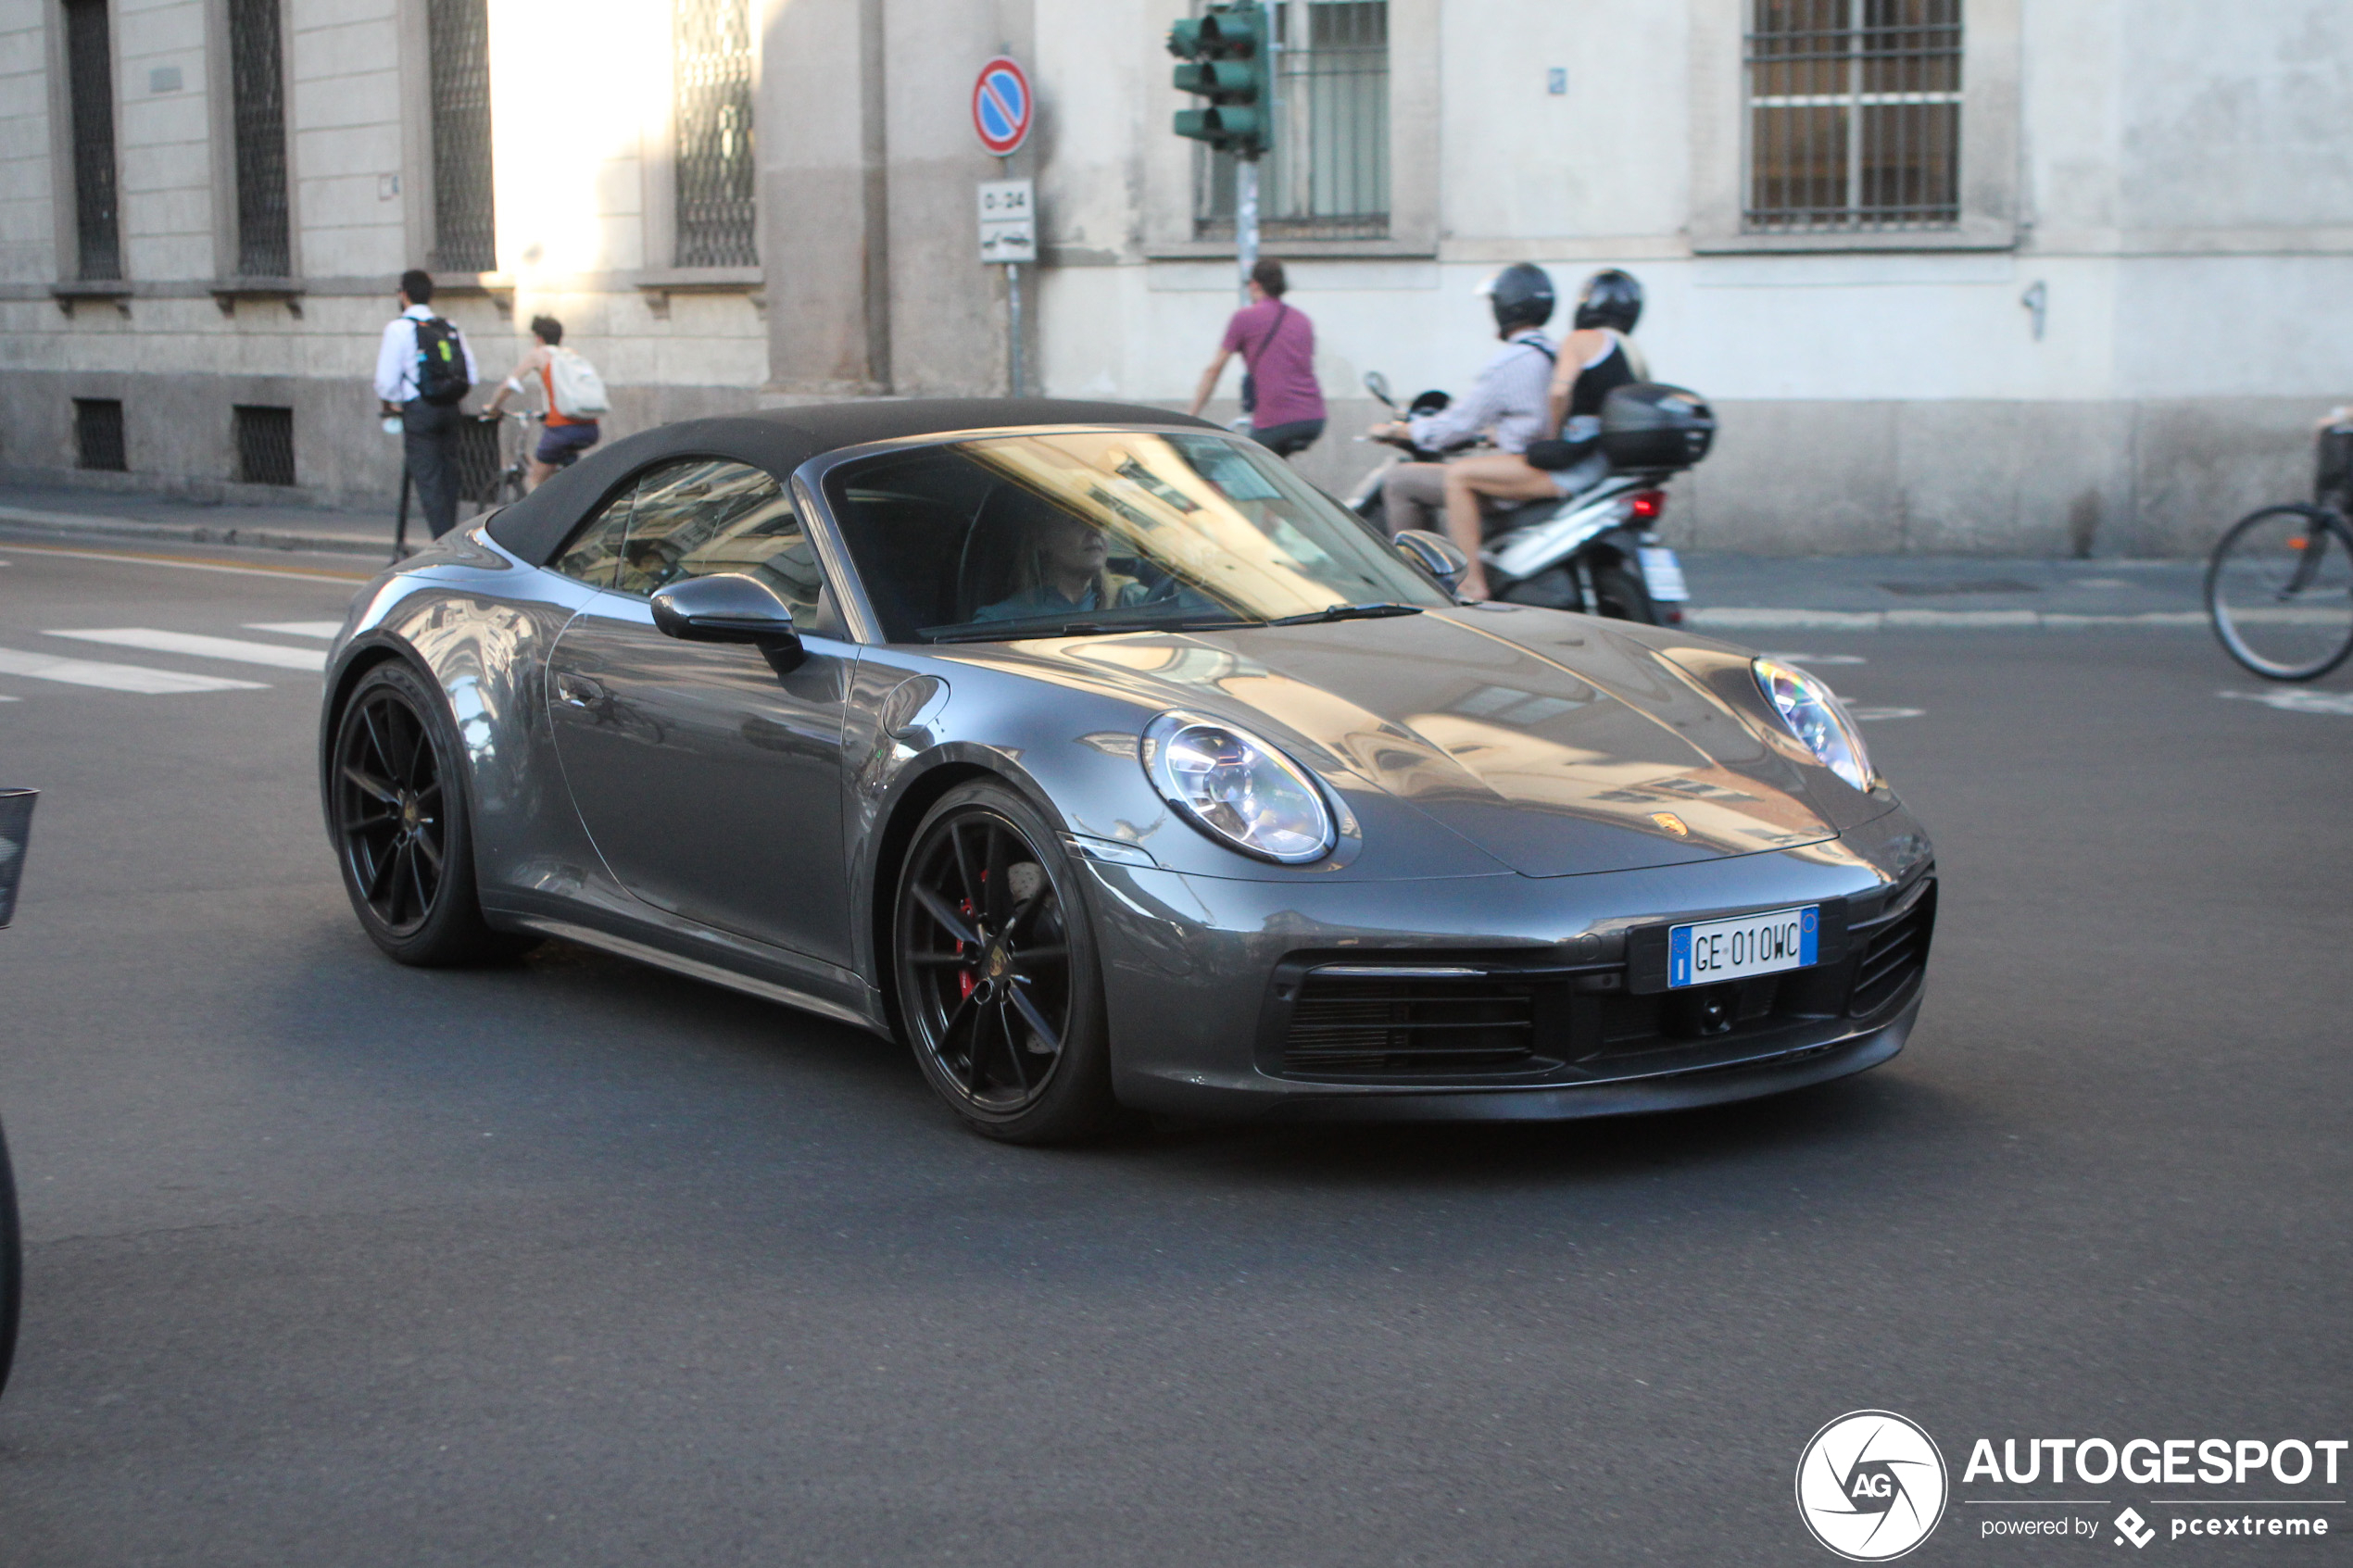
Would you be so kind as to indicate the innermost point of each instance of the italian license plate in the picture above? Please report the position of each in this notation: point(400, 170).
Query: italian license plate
point(1663, 575)
point(1732, 949)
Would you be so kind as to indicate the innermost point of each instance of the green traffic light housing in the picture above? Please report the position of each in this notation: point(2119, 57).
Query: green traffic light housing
point(1227, 63)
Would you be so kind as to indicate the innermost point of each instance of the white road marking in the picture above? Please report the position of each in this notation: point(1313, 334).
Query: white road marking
point(115, 677)
point(1868, 715)
point(1818, 658)
point(2297, 700)
point(343, 578)
point(3, 696)
point(323, 629)
point(202, 646)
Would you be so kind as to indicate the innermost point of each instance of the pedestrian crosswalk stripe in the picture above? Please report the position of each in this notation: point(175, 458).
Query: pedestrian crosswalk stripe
point(297, 628)
point(114, 677)
point(202, 646)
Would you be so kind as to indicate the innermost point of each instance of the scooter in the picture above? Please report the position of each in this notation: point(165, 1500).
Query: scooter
point(1597, 549)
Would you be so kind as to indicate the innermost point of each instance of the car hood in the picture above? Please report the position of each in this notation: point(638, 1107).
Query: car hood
point(1550, 741)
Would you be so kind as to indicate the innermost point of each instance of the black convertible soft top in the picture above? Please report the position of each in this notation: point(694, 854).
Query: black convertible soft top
point(780, 440)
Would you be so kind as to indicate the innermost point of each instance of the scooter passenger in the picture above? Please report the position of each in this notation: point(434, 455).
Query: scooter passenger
point(1596, 359)
point(1509, 404)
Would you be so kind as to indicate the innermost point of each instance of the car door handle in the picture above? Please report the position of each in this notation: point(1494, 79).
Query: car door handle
point(578, 690)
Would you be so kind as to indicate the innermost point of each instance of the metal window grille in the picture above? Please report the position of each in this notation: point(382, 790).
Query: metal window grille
point(1327, 177)
point(1854, 115)
point(258, 93)
point(265, 445)
point(464, 211)
point(715, 212)
point(98, 435)
point(90, 88)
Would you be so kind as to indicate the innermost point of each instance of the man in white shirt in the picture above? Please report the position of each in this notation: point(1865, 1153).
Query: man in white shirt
point(419, 378)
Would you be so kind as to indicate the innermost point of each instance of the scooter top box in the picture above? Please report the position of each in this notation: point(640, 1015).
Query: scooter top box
point(1652, 425)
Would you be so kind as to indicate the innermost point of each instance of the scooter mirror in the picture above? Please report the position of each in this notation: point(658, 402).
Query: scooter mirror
point(1378, 384)
point(1435, 554)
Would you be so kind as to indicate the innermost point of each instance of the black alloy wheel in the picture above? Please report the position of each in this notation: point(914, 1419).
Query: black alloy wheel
point(397, 811)
point(995, 972)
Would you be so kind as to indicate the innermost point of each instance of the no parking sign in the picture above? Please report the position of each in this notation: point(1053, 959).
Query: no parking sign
point(1002, 105)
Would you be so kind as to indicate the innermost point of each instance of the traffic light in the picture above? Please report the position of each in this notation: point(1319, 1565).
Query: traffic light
point(1228, 62)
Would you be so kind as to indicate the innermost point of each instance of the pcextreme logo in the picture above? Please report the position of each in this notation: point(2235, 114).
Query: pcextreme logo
point(1871, 1486)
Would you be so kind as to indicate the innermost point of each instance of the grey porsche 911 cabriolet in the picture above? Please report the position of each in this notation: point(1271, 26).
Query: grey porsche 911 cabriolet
point(1094, 754)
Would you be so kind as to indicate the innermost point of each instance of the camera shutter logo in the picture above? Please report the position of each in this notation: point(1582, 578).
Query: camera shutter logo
point(1871, 1486)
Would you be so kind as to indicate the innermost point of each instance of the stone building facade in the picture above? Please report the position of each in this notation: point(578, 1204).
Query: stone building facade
point(1982, 275)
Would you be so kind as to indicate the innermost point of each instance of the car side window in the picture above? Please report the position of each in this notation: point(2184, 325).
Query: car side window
point(594, 553)
point(702, 516)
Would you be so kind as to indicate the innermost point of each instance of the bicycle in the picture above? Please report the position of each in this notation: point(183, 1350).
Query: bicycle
point(2279, 588)
point(511, 482)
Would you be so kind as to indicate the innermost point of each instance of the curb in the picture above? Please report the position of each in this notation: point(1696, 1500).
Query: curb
point(1734, 620)
point(85, 525)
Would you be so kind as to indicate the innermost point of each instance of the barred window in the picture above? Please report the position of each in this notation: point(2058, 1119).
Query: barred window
point(464, 217)
point(90, 87)
point(1327, 176)
point(258, 95)
point(715, 210)
point(1854, 115)
point(265, 445)
point(98, 435)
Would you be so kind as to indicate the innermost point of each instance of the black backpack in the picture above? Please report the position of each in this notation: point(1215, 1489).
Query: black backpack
point(441, 363)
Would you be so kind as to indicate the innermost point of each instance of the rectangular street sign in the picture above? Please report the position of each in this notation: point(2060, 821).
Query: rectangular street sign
point(1008, 220)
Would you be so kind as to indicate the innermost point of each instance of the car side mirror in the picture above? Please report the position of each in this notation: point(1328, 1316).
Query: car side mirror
point(1435, 554)
point(730, 608)
point(1378, 384)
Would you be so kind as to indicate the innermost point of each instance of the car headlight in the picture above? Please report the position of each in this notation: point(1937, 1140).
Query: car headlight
point(1815, 715)
point(1237, 789)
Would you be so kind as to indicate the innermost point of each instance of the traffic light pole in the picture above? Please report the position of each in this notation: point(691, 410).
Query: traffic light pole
point(1246, 219)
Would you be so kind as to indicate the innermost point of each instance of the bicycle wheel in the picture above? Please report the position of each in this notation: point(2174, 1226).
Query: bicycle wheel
point(2279, 589)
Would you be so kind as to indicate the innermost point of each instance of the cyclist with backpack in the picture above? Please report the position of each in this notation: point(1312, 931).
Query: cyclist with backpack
point(423, 371)
point(572, 394)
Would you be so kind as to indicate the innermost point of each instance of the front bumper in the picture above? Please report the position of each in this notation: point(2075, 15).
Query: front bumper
point(1240, 998)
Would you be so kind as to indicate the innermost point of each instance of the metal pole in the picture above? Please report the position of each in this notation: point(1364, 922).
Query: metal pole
point(1013, 294)
point(1013, 366)
point(400, 526)
point(1246, 221)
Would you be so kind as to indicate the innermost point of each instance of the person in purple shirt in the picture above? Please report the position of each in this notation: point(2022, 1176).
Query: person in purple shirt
point(1278, 347)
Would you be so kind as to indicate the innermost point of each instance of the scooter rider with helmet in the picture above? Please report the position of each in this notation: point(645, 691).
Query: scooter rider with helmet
point(1508, 403)
point(1596, 359)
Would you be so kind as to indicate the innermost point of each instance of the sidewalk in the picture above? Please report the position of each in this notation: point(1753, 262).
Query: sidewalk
point(1729, 592)
point(64, 512)
point(1734, 593)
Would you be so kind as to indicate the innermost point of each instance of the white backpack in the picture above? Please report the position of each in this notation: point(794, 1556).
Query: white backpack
point(580, 391)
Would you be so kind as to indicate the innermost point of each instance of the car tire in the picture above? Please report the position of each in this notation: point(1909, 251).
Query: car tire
point(11, 1265)
point(996, 976)
point(397, 811)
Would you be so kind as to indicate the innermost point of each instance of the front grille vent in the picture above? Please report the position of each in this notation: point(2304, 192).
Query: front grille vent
point(1345, 1024)
point(1893, 954)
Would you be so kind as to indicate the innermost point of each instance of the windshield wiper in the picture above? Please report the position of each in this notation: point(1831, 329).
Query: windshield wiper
point(1373, 611)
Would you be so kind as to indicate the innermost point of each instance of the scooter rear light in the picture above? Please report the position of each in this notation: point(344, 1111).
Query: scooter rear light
point(1649, 504)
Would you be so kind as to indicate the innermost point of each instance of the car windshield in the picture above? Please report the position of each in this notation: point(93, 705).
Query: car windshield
point(1104, 531)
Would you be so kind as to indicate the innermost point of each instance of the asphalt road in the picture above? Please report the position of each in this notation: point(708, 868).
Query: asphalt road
point(574, 1262)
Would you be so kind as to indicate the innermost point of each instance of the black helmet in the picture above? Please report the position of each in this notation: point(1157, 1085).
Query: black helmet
point(1522, 296)
point(1609, 299)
